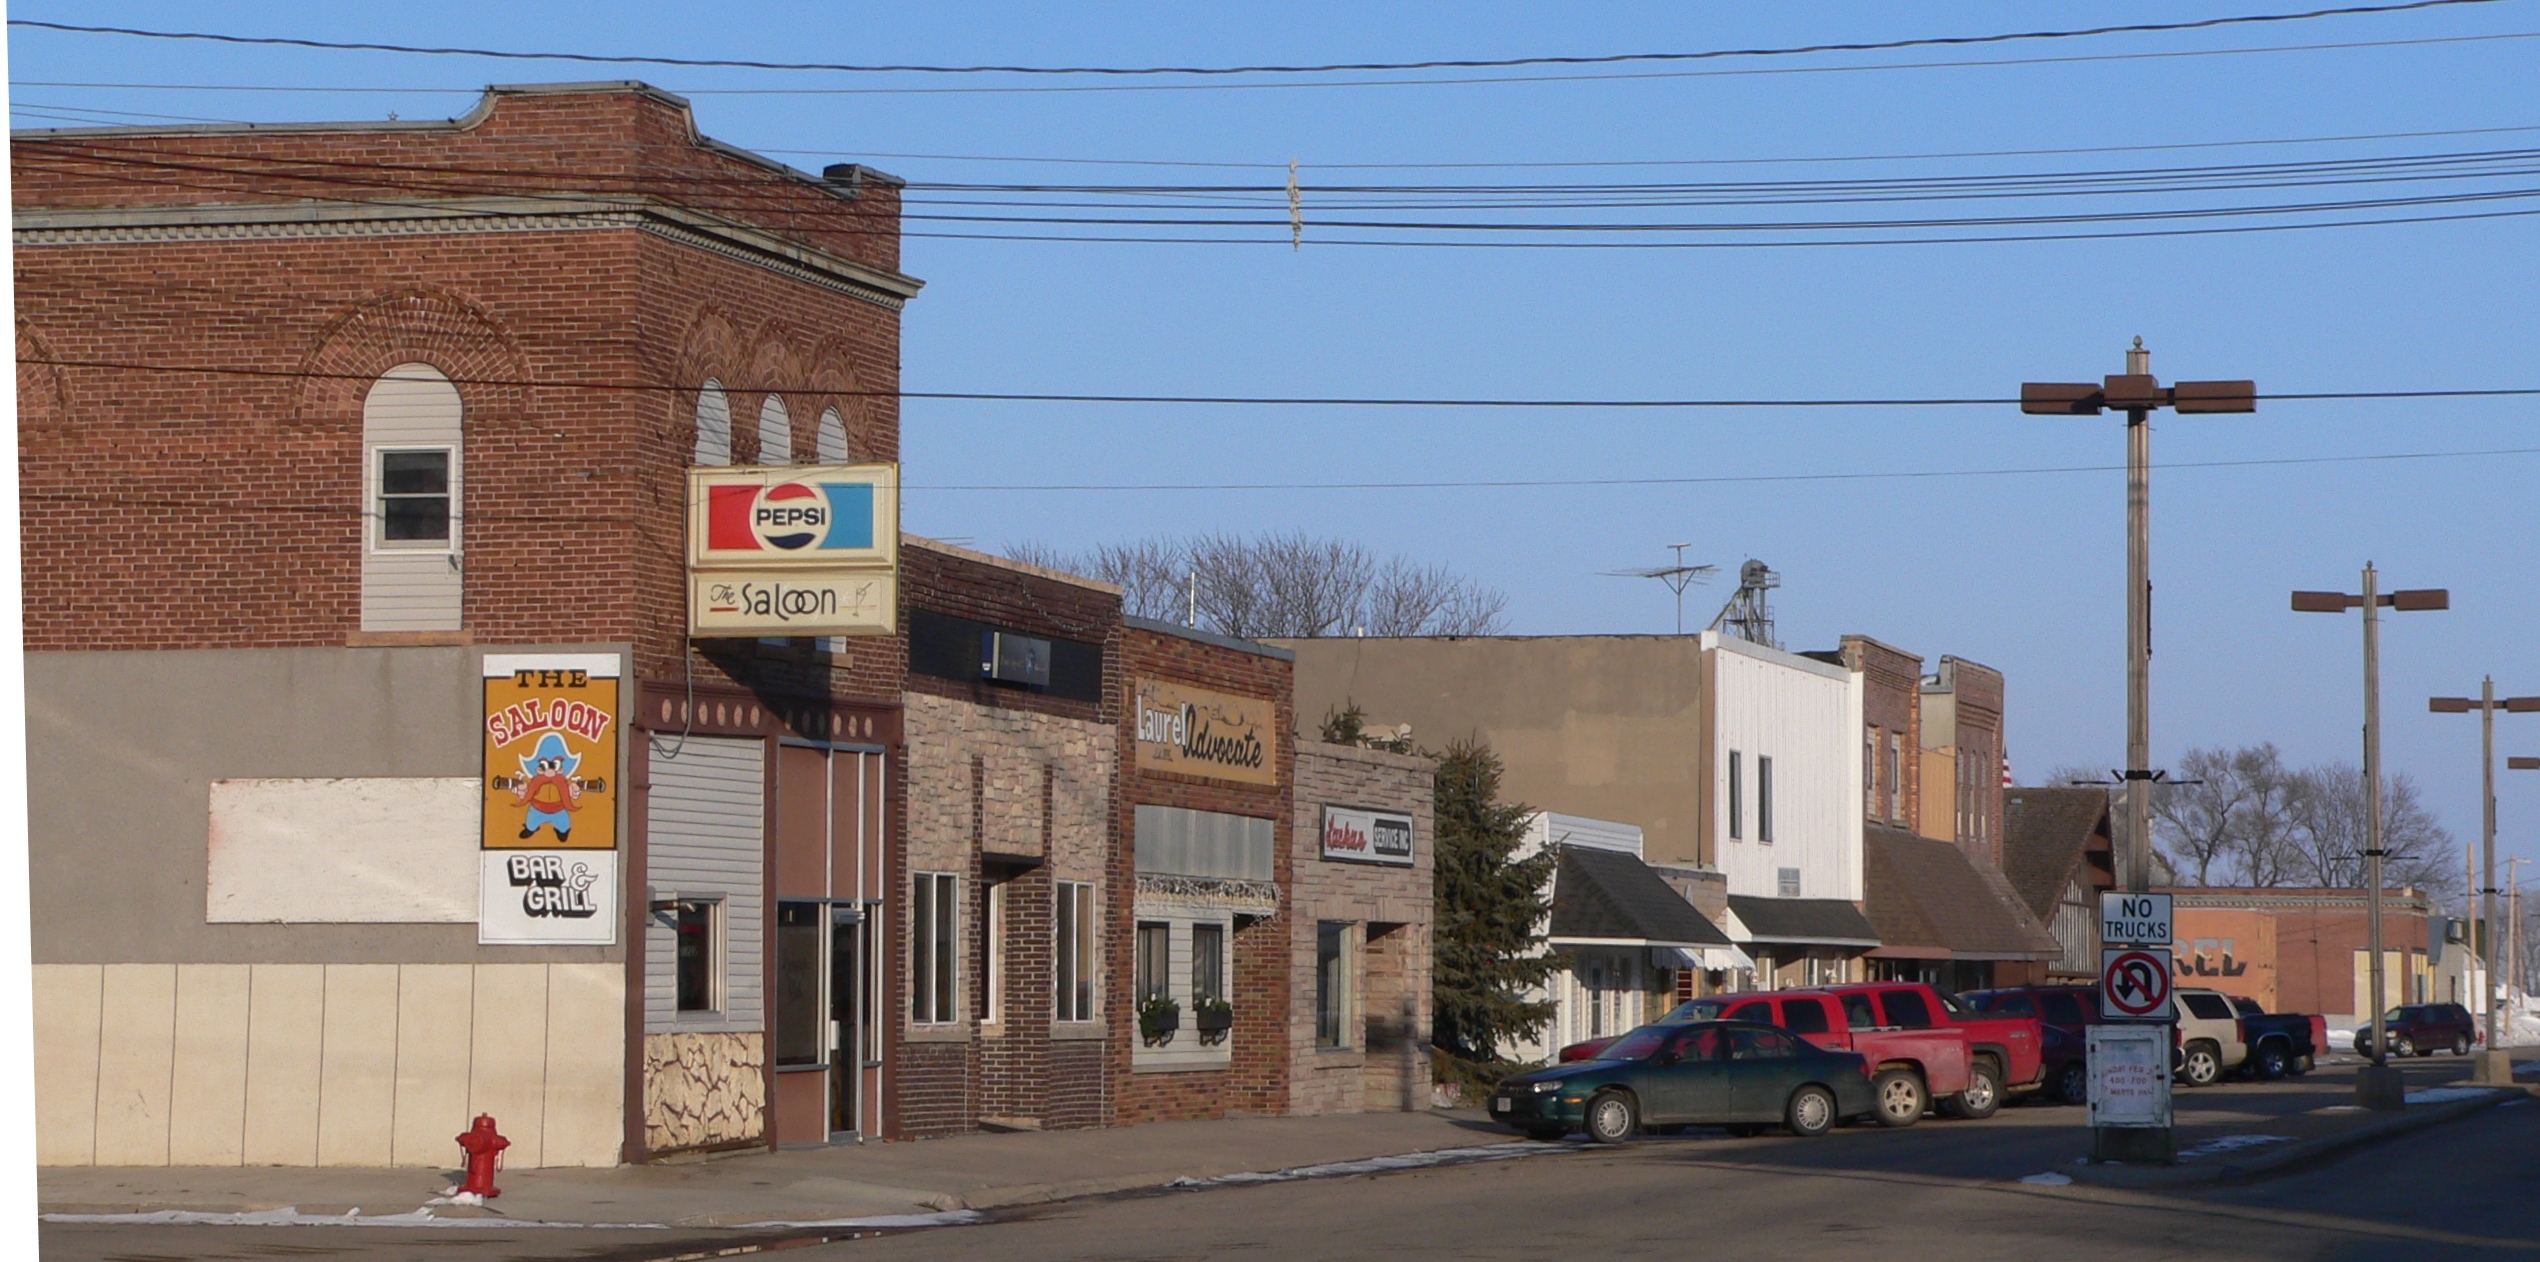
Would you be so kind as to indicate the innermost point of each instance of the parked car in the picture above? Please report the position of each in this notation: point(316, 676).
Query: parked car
point(1926, 1044)
point(1740, 1074)
point(2280, 1043)
point(2420, 1029)
point(2062, 1013)
point(2206, 1042)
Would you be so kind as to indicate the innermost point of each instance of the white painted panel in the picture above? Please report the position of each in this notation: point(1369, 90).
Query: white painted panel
point(286, 1033)
point(350, 851)
point(1547, 828)
point(357, 1086)
point(67, 1001)
point(207, 1108)
point(135, 1047)
point(1806, 717)
point(832, 438)
point(510, 1037)
point(705, 835)
point(585, 1104)
point(775, 432)
point(714, 426)
point(435, 1009)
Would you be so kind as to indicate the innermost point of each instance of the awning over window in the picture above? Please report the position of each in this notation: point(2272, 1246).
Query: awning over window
point(1828, 922)
point(1608, 898)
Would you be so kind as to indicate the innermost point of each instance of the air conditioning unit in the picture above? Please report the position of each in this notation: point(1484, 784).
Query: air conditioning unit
point(1014, 659)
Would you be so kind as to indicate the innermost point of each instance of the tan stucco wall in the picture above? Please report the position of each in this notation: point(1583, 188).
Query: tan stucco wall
point(1602, 726)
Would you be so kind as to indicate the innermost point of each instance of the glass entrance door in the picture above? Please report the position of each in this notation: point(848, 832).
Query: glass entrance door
point(854, 1055)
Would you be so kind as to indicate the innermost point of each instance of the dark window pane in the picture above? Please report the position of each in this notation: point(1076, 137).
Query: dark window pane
point(1804, 1016)
point(1155, 961)
point(693, 970)
point(1067, 962)
point(1856, 1012)
point(944, 948)
point(1906, 1008)
point(414, 472)
point(799, 1019)
point(414, 517)
point(2062, 1008)
point(1758, 1045)
point(1757, 1010)
point(1208, 961)
point(1331, 992)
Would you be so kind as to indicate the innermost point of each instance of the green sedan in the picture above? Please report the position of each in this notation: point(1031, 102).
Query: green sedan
point(1738, 1074)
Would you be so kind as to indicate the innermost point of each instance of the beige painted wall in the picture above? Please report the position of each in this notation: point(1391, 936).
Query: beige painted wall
point(317, 1064)
point(1603, 726)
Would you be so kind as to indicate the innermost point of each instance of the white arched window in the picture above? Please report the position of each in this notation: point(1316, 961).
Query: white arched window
point(775, 432)
point(714, 425)
point(411, 504)
point(832, 438)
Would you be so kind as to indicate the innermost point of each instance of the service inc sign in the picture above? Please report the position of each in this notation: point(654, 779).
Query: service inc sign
point(1358, 836)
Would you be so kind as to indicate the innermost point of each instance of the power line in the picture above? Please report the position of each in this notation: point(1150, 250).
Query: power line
point(1321, 68)
point(1366, 401)
point(1712, 480)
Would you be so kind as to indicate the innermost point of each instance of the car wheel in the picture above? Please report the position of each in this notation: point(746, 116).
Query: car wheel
point(2201, 1066)
point(1811, 1112)
point(2402, 1045)
point(1743, 1130)
point(1900, 1095)
point(1545, 1134)
point(2072, 1086)
point(2271, 1061)
point(2460, 1045)
point(1983, 1096)
point(1612, 1117)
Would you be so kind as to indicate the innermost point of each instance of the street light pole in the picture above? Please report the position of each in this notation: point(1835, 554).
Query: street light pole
point(2377, 1085)
point(2494, 1064)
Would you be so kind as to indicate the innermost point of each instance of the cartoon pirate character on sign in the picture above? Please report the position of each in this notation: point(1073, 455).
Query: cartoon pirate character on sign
point(547, 789)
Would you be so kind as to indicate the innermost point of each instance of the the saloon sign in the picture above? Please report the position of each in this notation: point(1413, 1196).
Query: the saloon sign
point(1356, 836)
point(550, 786)
point(793, 550)
point(1197, 732)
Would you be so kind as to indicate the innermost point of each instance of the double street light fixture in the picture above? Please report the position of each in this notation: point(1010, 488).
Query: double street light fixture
point(2377, 1086)
point(2495, 1064)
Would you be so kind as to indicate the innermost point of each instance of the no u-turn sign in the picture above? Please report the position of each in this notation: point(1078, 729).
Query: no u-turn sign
point(2134, 984)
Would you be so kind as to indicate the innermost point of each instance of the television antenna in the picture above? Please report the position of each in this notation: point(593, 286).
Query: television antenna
point(1677, 577)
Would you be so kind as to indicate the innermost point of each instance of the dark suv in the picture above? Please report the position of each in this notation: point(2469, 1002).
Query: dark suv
point(2419, 1029)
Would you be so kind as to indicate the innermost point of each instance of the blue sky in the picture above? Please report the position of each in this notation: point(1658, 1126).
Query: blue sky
point(2022, 572)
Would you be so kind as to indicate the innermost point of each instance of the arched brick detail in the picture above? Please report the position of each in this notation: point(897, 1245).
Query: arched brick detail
point(411, 326)
point(775, 368)
point(709, 351)
point(44, 401)
point(839, 376)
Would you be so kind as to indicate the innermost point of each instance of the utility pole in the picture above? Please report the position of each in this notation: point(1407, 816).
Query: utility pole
point(2494, 1064)
point(2377, 1085)
point(2137, 393)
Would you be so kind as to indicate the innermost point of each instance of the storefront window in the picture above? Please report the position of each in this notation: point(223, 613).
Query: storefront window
point(1331, 983)
point(1076, 954)
point(1155, 961)
point(933, 949)
point(1208, 961)
point(799, 1021)
point(992, 951)
point(693, 970)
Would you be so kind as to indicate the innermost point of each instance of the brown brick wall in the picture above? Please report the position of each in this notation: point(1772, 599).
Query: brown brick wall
point(1256, 1081)
point(1367, 1076)
point(1891, 705)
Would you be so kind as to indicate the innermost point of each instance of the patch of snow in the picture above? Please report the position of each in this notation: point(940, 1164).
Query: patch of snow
point(2048, 1179)
point(2230, 1143)
point(1377, 1165)
point(2339, 1108)
point(290, 1216)
point(2445, 1095)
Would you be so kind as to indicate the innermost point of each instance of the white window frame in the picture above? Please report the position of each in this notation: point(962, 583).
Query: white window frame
point(1077, 957)
point(929, 935)
point(992, 952)
point(374, 499)
point(718, 962)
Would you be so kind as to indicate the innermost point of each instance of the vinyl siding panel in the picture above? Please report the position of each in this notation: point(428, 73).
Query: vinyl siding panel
point(1806, 717)
point(706, 837)
point(411, 588)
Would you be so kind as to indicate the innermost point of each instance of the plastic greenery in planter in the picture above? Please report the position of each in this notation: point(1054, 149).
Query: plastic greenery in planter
point(1213, 1016)
point(1158, 1018)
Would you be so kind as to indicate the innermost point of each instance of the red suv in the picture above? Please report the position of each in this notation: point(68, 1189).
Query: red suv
point(2421, 1029)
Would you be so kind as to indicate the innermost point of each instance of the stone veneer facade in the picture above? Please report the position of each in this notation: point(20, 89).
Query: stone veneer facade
point(1388, 910)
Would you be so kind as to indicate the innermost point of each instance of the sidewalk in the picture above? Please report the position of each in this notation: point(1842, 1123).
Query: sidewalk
point(966, 1172)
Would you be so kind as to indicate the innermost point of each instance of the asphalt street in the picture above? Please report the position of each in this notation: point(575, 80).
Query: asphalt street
point(1947, 1191)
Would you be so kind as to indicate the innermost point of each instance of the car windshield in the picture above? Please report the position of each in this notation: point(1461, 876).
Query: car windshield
point(1698, 1010)
point(1957, 1007)
point(1636, 1045)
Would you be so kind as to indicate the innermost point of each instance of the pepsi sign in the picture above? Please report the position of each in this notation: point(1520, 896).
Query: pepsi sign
point(818, 516)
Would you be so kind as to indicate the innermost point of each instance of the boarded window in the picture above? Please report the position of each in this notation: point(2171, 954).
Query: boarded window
point(830, 439)
point(800, 1019)
point(775, 432)
point(413, 510)
point(1177, 842)
point(714, 425)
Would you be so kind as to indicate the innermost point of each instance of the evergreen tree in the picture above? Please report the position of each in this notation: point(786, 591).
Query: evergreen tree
point(1489, 917)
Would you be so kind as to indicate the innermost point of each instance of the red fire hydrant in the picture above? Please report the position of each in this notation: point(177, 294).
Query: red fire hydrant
point(484, 1150)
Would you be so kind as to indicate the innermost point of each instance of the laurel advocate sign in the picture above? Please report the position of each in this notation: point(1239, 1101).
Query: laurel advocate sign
point(1197, 732)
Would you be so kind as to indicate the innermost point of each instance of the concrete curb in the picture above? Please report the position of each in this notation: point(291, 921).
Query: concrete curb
point(2293, 1156)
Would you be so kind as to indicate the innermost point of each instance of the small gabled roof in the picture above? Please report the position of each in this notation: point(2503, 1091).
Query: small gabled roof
point(1609, 898)
point(2045, 835)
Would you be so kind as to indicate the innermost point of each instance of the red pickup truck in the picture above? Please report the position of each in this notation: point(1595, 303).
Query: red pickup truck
point(1924, 1043)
